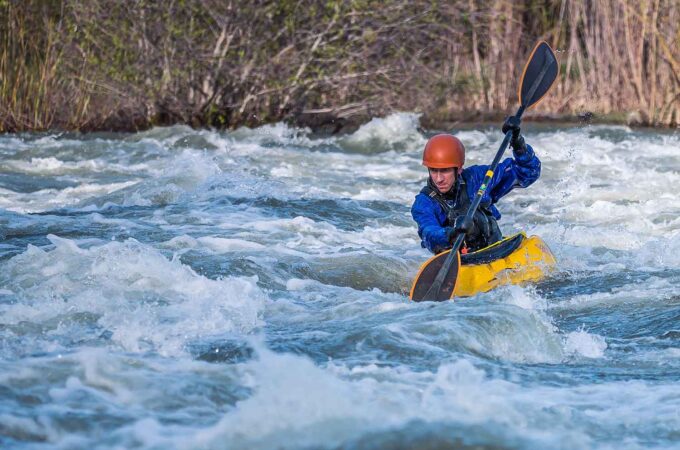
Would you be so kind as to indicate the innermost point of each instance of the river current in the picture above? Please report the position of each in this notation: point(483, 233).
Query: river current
point(180, 288)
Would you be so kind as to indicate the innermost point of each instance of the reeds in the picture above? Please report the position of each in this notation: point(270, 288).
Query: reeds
point(28, 65)
point(105, 64)
point(626, 56)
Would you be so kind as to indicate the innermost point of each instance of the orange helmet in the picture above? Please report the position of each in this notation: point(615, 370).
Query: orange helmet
point(443, 151)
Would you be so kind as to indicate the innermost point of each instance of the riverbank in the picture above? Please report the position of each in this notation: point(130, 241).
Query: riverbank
point(93, 65)
point(330, 124)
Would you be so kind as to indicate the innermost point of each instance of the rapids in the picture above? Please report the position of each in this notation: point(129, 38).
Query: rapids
point(181, 288)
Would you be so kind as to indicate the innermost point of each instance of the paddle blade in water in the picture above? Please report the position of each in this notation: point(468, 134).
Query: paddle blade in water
point(539, 75)
point(427, 274)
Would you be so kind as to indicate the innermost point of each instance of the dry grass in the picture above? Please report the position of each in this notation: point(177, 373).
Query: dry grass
point(105, 64)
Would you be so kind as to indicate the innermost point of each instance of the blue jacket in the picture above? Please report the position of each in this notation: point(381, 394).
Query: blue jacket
point(520, 171)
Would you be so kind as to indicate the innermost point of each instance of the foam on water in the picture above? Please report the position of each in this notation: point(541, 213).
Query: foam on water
point(276, 134)
point(296, 404)
point(134, 328)
point(586, 344)
point(398, 131)
point(47, 199)
point(475, 139)
point(303, 234)
point(145, 301)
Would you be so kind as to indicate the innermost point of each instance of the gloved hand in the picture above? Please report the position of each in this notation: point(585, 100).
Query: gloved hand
point(517, 141)
point(460, 225)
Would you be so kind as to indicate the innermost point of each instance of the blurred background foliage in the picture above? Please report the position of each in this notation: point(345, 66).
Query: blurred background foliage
point(107, 64)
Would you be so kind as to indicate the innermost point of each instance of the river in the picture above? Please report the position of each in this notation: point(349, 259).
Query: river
point(180, 288)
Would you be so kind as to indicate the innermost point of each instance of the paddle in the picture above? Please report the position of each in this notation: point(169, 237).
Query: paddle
point(538, 76)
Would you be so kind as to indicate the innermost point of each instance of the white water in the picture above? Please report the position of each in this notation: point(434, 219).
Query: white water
point(200, 289)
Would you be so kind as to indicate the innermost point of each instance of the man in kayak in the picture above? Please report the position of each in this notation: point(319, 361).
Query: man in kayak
point(440, 207)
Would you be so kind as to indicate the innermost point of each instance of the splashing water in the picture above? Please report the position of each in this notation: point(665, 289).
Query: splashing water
point(197, 289)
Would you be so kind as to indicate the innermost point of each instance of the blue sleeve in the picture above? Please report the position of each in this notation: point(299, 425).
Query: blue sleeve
point(430, 219)
point(520, 171)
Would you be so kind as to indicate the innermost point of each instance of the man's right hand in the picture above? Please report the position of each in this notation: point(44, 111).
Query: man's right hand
point(460, 226)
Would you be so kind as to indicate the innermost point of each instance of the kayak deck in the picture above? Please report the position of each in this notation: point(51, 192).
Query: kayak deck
point(514, 260)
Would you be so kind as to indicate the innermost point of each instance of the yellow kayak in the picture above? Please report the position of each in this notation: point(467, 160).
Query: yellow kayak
point(516, 259)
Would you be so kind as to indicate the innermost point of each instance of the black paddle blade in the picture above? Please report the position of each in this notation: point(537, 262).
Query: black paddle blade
point(428, 272)
point(539, 75)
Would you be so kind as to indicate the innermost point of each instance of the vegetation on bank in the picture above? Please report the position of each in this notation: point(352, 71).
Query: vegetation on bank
point(107, 64)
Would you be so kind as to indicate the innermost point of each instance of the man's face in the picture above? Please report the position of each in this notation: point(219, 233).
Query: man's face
point(443, 178)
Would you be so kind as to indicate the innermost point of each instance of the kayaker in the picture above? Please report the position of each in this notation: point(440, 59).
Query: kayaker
point(440, 207)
